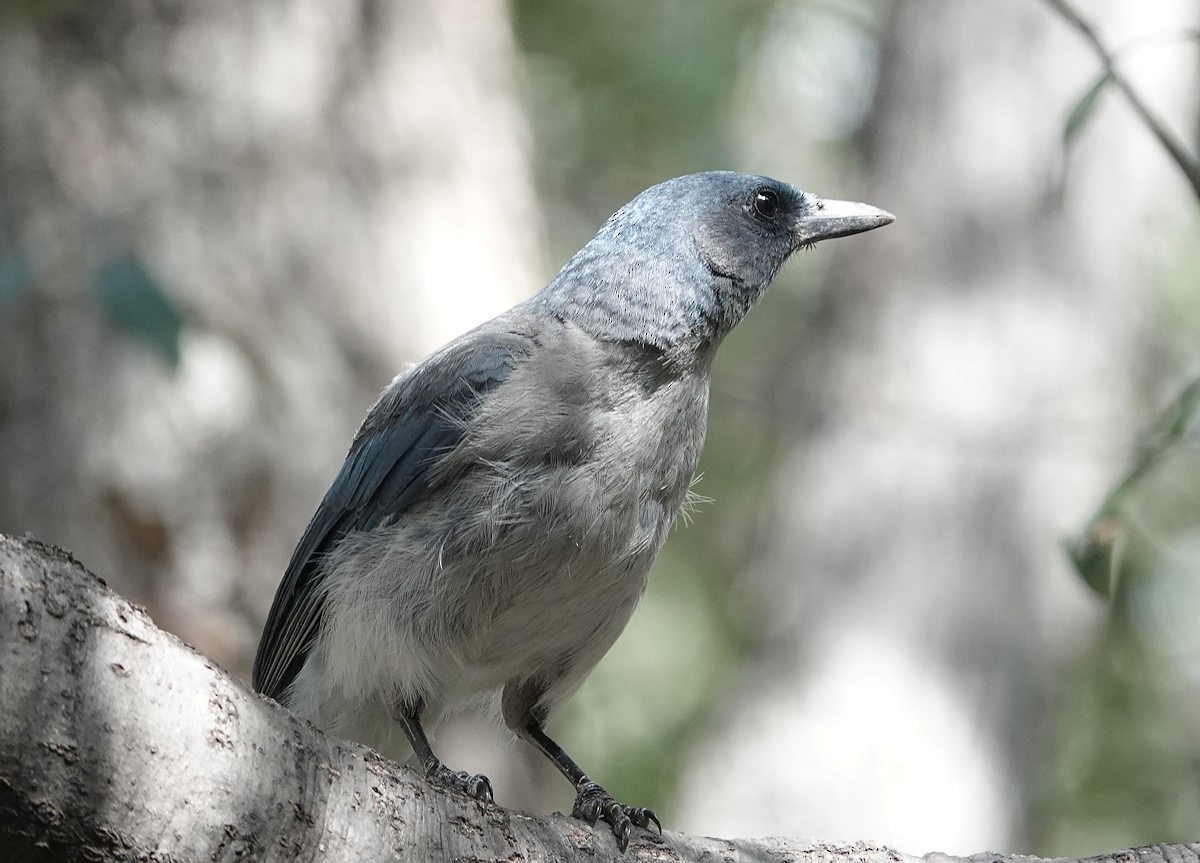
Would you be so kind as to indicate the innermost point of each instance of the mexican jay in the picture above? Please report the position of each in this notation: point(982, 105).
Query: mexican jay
point(492, 528)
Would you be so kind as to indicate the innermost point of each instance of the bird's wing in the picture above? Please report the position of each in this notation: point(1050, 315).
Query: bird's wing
point(389, 468)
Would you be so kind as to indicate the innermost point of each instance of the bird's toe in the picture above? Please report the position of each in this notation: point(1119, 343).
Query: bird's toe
point(592, 803)
point(479, 787)
point(475, 786)
point(643, 817)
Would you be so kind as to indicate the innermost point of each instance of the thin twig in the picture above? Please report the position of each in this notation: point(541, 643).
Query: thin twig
point(1187, 164)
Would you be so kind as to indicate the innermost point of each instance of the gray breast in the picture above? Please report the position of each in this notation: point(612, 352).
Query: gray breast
point(567, 488)
point(589, 441)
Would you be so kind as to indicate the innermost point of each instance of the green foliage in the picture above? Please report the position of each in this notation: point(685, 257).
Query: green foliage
point(1125, 753)
point(623, 94)
point(1125, 770)
point(1084, 108)
point(133, 300)
point(1095, 552)
point(16, 275)
point(39, 12)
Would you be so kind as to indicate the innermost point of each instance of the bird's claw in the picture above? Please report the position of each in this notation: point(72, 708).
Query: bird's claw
point(592, 803)
point(475, 786)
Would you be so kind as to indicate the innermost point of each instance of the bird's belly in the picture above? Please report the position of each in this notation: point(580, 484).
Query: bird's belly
point(562, 586)
point(569, 539)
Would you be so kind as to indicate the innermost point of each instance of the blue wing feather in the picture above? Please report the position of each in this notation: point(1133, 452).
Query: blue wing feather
point(390, 466)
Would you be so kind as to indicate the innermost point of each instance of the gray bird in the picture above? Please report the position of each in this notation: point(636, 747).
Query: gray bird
point(492, 528)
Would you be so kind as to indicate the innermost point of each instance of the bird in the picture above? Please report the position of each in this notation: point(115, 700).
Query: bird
point(495, 520)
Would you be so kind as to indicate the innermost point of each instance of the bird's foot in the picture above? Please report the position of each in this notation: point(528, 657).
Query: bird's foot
point(593, 803)
point(475, 786)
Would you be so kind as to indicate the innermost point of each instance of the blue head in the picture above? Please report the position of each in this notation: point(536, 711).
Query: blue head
point(681, 264)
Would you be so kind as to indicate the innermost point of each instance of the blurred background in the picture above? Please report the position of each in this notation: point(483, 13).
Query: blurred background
point(225, 226)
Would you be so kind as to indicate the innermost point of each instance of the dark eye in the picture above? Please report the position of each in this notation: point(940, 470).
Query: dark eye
point(765, 203)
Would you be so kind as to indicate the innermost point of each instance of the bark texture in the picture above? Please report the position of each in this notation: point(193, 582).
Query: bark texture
point(118, 742)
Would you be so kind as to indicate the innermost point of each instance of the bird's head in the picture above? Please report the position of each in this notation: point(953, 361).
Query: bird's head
point(744, 227)
point(685, 260)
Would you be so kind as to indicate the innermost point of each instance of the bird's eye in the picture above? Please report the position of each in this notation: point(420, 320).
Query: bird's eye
point(765, 203)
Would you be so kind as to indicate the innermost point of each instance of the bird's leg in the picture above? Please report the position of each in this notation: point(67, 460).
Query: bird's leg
point(408, 714)
point(592, 802)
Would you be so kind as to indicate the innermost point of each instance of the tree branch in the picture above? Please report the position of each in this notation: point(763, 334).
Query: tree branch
point(119, 742)
point(1189, 166)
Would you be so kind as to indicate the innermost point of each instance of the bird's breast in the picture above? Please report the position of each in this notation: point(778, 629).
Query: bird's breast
point(592, 444)
point(567, 489)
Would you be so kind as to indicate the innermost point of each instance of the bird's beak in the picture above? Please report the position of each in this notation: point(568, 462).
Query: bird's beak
point(826, 220)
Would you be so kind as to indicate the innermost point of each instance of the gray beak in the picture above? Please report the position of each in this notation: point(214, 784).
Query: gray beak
point(826, 220)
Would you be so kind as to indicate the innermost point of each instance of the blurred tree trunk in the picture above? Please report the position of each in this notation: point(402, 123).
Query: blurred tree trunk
point(223, 228)
point(960, 417)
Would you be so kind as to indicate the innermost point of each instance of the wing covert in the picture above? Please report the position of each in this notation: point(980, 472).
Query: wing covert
point(390, 465)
